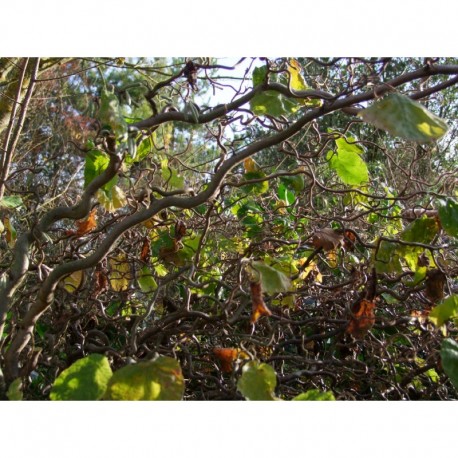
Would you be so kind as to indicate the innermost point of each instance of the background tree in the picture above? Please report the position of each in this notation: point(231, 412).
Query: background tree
point(274, 234)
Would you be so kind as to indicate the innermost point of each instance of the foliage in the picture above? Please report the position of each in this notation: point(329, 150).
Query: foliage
point(84, 380)
point(276, 229)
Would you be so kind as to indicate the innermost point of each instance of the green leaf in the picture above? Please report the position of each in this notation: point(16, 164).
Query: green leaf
point(255, 188)
point(448, 215)
point(11, 202)
point(285, 194)
point(146, 280)
point(258, 382)
point(84, 380)
point(315, 395)
point(268, 103)
point(14, 392)
point(422, 230)
point(402, 117)
point(259, 75)
point(294, 182)
point(171, 176)
point(272, 280)
point(446, 310)
point(95, 164)
point(158, 380)
point(387, 258)
point(110, 114)
point(112, 199)
point(297, 83)
point(449, 357)
point(347, 162)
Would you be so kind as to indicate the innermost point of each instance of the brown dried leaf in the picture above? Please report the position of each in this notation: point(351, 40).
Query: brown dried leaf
point(435, 283)
point(169, 253)
point(86, 225)
point(328, 239)
point(144, 255)
point(413, 213)
point(226, 357)
point(101, 283)
point(180, 230)
point(363, 318)
point(349, 240)
point(259, 308)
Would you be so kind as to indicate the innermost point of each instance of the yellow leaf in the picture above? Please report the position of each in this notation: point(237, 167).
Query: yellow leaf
point(116, 199)
point(73, 282)
point(250, 165)
point(119, 198)
point(120, 274)
point(11, 234)
point(312, 268)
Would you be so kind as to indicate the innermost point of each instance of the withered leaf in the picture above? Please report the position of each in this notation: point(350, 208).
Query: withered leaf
point(180, 230)
point(363, 318)
point(144, 255)
point(435, 283)
point(328, 239)
point(226, 357)
point(86, 225)
point(349, 240)
point(101, 283)
point(259, 308)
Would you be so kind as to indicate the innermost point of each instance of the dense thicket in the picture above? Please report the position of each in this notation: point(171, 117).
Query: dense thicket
point(290, 220)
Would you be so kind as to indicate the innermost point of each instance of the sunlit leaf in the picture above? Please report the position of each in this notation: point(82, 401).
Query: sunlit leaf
point(446, 310)
point(297, 83)
point(171, 176)
point(86, 225)
point(112, 199)
point(226, 357)
point(84, 380)
point(74, 281)
point(256, 188)
point(250, 165)
point(403, 117)
point(10, 233)
point(315, 395)
point(448, 214)
point(146, 280)
point(120, 274)
point(348, 164)
point(11, 202)
point(257, 382)
point(95, 164)
point(449, 358)
point(145, 148)
point(272, 280)
point(267, 103)
point(158, 380)
point(421, 230)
